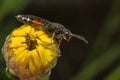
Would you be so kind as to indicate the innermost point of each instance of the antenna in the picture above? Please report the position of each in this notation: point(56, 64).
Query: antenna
point(80, 37)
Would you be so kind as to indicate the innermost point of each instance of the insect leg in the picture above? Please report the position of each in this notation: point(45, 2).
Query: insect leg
point(57, 37)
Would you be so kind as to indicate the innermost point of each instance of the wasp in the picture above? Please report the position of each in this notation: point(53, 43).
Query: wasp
point(57, 31)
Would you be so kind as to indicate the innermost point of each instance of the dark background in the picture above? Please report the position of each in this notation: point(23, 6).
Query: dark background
point(97, 20)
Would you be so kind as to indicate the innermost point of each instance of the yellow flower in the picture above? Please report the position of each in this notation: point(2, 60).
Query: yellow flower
point(30, 53)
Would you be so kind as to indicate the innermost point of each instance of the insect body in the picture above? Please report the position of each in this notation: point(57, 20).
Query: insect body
point(57, 31)
point(32, 20)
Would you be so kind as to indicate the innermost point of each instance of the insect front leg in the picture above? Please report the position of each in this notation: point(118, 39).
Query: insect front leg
point(59, 39)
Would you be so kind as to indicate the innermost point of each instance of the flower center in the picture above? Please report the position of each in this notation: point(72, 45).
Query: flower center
point(31, 42)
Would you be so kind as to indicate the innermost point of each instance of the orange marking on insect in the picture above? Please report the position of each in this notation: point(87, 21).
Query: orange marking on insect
point(37, 22)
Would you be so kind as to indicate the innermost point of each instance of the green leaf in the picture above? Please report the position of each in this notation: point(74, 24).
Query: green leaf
point(10, 75)
point(11, 6)
point(99, 64)
point(115, 75)
point(45, 78)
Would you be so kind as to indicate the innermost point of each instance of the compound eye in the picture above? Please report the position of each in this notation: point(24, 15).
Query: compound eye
point(67, 35)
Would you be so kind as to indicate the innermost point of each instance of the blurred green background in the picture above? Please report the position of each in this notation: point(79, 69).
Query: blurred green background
point(97, 20)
